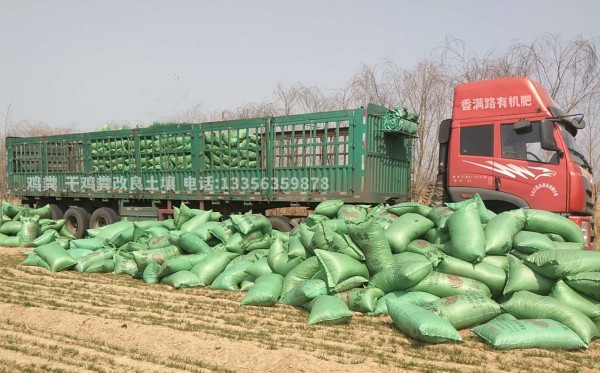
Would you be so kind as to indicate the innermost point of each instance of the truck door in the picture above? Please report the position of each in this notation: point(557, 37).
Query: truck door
point(527, 171)
point(470, 156)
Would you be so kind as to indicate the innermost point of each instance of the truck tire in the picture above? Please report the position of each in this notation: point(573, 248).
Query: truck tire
point(77, 220)
point(103, 216)
point(281, 223)
point(56, 212)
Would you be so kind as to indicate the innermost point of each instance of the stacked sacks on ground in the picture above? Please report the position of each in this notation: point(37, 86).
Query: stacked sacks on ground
point(518, 279)
point(23, 226)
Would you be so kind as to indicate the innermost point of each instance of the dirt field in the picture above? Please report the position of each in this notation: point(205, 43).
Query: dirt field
point(71, 322)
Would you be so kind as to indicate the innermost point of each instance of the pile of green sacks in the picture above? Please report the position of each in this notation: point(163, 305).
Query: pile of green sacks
point(23, 226)
point(519, 279)
point(231, 148)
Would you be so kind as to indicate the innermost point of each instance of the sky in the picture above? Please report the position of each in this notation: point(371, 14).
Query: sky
point(81, 64)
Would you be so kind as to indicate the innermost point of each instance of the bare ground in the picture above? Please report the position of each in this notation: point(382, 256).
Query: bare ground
point(72, 322)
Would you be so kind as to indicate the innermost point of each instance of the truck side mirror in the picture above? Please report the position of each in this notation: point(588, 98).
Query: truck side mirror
point(444, 131)
point(547, 136)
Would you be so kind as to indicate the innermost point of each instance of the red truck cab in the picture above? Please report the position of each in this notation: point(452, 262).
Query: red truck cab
point(509, 142)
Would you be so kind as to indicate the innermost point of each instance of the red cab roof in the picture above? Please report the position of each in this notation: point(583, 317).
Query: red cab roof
point(500, 97)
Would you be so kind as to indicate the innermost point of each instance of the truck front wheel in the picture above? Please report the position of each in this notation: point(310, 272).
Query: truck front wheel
point(103, 216)
point(77, 220)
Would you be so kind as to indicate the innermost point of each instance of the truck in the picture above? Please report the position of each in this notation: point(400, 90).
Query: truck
point(259, 164)
point(509, 142)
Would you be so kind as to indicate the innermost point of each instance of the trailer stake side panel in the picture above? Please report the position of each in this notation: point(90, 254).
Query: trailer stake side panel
point(289, 159)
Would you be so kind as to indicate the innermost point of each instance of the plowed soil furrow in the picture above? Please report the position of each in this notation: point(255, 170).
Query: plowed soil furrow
point(99, 322)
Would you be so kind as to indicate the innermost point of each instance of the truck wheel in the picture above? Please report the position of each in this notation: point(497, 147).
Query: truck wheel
point(77, 220)
point(281, 223)
point(103, 216)
point(56, 212)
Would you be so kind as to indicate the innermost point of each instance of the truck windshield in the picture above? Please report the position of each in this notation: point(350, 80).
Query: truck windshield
point(574, 150)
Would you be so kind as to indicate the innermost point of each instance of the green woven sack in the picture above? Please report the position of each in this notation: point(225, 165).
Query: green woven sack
point(439, 216)
point(304, 292)
point(501, 230)
point(231, 278)
point(195, 221)
point(531, 242)
point(418, 298)
point(364, 300)
point(212, 266)
point(265, 292)
point(428, 250)
point(405, 229)
point(503, 317)
point(45, 238)
point(385, 218)
point(29, 231)
point(444, 285)
point(587, 283)
point(408, 257)
point(436, 236)
point(352, 214)
point(223, 231)
point(189, 243)
point(179, 263)
point(314, 219)
point(500, 261)
point(150, 275)
point(279, 259)
point(88, 243)
point(11, 228)
point(34, 260)
point(259, 268)
point(467, 235)
point(530, 333)
point(343, 272)
point(561, 263)
point(182, 279)
point(564, 293)
point(248, 223)
point(493, 277)
point(421, 324)
point(79, 253)
point(520, 277)
point(547, 222)
point(93, 258)
point(328, 309)
point(124, 264)
point(463, 311)
point(326, 238)
point(56, 256)
point(401, 276)
point(370, 237)
point(142, 258)
point(302, 272)
point(117, 234)
point(11, 210)
point(409, 207)
point(485, 215)
point(527, 305)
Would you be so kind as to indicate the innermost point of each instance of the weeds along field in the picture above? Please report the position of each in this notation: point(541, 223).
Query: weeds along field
point(73, 322)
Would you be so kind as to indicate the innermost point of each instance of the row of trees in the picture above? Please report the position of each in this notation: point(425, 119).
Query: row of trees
point(568, 69)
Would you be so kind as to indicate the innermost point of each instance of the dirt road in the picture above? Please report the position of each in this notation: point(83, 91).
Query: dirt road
point(72, 322)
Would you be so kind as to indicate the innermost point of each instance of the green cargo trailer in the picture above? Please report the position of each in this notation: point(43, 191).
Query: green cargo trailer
point(229, 166)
